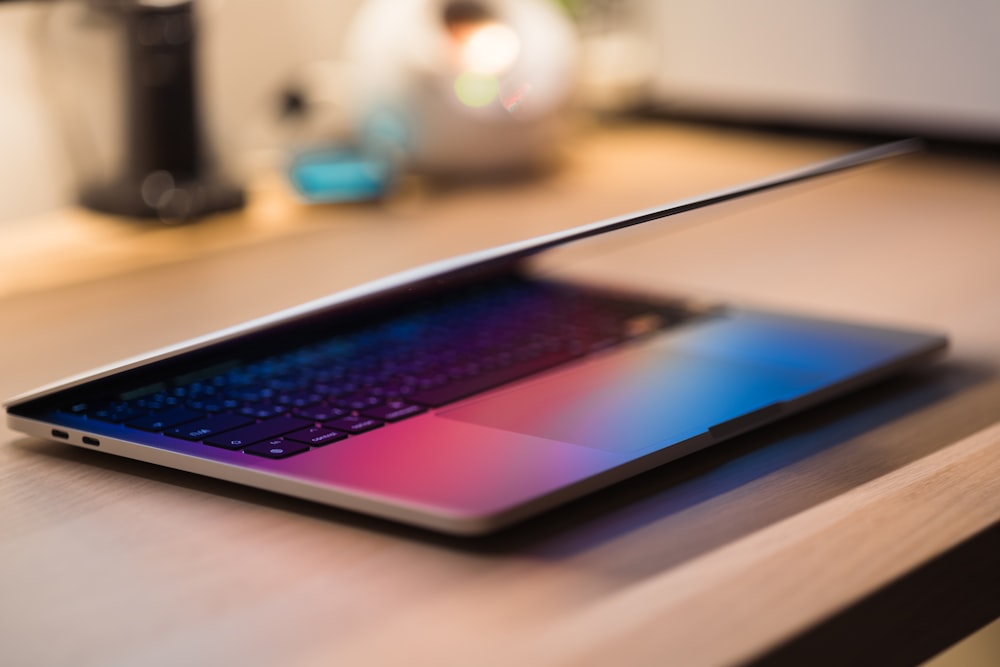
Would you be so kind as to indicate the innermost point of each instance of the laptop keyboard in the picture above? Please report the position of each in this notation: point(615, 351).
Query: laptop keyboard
point(351, 383)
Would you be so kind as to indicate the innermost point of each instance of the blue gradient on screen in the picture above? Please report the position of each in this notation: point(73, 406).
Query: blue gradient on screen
point(646, 396)
point(833, 350)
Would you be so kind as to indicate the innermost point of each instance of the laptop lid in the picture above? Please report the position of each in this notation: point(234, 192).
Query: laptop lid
point(499, 258)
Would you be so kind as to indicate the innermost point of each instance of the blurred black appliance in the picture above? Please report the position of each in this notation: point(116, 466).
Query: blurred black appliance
point(165, 170)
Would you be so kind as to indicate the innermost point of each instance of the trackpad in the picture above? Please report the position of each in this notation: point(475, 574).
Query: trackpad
point(635, 398)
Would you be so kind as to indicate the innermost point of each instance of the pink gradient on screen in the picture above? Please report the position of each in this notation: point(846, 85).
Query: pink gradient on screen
point(458, 467)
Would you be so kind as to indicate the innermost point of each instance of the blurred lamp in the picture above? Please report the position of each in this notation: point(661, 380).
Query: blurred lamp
point(461, 86)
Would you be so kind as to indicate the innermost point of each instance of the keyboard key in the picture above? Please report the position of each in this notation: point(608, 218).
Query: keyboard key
point(358, 401)
point(117, 415)
point(300, 399)
point(262, 411)
point(161, 421)
point(320, 413)
point(354, 424)
point(437, 396)
point(394, 411)
point(316, 436)
point(277, 448)
point(203, 428)
point(264, 430)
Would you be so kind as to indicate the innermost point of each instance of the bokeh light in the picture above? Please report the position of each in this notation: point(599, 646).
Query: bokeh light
point(476, 90)
point(490, 48)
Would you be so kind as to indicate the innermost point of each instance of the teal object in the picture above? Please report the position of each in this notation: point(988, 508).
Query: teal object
point(340, 175)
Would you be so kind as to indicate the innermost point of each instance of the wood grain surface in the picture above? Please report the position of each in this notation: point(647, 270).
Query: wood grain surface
point(719, 559)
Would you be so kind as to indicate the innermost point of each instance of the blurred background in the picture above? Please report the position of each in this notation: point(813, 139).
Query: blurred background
point(170, 109)
point(276, 81)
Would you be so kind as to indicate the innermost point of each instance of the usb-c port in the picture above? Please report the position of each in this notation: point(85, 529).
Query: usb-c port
point(62, 435)
point(87, 440)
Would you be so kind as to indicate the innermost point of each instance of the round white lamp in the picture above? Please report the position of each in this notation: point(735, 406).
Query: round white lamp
point(461, 86)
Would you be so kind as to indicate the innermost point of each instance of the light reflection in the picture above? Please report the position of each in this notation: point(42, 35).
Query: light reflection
point(490, 49)
point(483, 49)
point(511, 102)
point(476, 90)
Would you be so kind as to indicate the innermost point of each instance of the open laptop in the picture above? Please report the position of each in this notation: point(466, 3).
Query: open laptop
point(471, 393)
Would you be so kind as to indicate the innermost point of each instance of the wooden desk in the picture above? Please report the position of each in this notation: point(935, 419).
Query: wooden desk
point(867, 527)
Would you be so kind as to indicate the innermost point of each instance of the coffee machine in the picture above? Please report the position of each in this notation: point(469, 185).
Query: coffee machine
point(155, 160)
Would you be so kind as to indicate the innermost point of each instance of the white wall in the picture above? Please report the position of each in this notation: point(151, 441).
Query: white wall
point(915, 65)
point(33, 173)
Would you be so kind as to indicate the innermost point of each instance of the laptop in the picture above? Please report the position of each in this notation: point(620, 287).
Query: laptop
point(469, 394)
